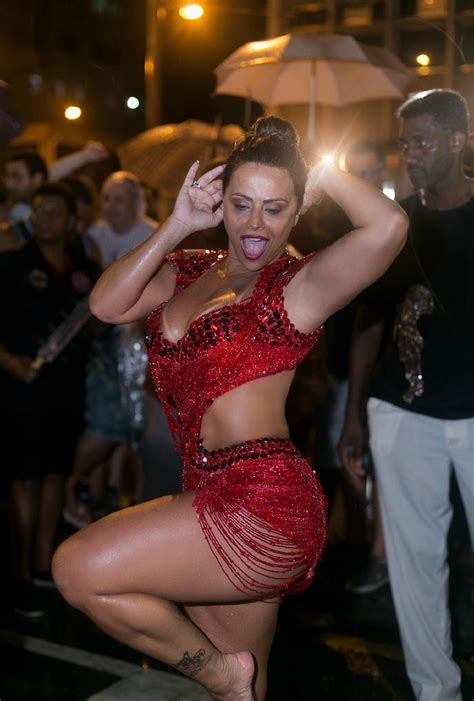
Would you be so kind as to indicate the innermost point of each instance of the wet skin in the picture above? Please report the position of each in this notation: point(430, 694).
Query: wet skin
point(259, 203)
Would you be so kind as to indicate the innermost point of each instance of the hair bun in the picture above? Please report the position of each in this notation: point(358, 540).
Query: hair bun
point(275, 126)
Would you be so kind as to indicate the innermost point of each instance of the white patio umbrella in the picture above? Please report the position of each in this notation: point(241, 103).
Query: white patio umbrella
point(312, 68)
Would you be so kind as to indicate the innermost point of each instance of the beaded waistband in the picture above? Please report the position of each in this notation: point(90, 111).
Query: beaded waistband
point(211, 460)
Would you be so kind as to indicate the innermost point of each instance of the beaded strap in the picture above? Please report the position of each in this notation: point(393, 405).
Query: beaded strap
point(211, 460)
point(191, 264)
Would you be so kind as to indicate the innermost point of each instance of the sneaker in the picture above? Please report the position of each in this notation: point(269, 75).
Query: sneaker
point(27, 605)
point(370, 578)
point(44, 578)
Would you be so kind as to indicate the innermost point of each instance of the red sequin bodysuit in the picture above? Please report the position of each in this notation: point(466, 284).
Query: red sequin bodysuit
point(259, 503)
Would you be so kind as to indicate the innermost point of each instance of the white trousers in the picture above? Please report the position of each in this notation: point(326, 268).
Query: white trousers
point(413, 456)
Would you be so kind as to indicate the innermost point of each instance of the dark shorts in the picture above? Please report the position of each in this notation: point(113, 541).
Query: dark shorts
point(34, 445)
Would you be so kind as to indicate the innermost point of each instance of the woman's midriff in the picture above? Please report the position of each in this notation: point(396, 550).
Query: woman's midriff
point(248, 412)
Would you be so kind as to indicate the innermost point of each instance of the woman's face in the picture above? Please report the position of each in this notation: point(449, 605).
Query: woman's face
point(260, 210)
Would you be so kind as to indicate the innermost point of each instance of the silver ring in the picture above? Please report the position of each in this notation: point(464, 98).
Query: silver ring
point(195, 184)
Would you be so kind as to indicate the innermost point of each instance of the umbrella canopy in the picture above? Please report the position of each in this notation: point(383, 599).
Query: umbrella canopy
point(160, 157)
point(312, 68)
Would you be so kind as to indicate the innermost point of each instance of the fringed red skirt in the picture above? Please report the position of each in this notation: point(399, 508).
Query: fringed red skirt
point(263, 513)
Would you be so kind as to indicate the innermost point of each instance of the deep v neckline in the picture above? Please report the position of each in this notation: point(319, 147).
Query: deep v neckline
point(212, 312)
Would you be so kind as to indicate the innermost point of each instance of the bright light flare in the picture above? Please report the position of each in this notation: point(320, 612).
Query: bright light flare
point(191, 12)
point(133, 103)
point(423, 60)
point(72, 112)
point(328, 159)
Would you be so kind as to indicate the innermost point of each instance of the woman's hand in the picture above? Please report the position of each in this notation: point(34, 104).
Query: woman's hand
point(314, 191)
point(199, 202)
point(21, 368)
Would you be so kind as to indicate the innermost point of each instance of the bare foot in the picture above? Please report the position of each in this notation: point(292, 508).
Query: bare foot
point(238, 672)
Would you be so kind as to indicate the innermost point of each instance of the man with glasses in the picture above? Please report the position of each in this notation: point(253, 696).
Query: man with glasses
point(421, 405)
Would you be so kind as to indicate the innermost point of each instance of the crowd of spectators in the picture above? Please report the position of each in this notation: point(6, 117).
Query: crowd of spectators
point(83, 433)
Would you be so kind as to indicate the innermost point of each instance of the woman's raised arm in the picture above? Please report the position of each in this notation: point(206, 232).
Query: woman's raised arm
point(138, 282)
point(343, 269)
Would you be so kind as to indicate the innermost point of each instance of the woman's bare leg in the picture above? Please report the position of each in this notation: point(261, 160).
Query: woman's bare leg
point(126, 571)
point(241, 626)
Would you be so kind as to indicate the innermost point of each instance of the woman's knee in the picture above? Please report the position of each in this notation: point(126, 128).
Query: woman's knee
point(74, 572)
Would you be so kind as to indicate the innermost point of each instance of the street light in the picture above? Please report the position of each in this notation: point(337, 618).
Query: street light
point(156, 11)
point(133, 103)
point(423, 60)
point(191, 12)
point(72, 112)
point(154, 56)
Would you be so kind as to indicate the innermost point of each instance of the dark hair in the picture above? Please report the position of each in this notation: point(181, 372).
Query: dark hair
point(367, 146)
point(270, 141)
point(212, 163)
point(57, 190)
point(33, 161)
point(447, 107)
point(79, 189)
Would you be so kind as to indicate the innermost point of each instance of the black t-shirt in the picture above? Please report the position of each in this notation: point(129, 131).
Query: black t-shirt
point(439, 260)
point(34, 299)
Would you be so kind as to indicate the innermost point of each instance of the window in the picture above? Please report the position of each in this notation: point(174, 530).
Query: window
point(106, 7)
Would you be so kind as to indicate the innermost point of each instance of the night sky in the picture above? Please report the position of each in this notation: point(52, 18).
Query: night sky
point(193, 49)
point(91, 52)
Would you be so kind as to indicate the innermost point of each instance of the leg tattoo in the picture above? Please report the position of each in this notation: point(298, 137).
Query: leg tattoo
point(192, 665)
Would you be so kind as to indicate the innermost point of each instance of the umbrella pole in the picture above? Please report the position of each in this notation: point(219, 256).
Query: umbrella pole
point(310, 136)
point(247, 112)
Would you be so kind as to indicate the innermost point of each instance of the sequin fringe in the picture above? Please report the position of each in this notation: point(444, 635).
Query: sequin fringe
point(263, 514)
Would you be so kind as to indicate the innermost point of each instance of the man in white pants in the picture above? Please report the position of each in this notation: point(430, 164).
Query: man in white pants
point(418, 321)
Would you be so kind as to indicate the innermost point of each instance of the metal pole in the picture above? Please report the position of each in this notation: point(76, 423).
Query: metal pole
point(276, 22)
point(310, 133)
point(155, 18)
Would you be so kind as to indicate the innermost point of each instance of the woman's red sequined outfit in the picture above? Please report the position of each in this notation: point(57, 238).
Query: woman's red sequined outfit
point(259, 503)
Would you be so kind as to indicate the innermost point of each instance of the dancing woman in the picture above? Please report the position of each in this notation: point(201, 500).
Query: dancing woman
point(195, 580)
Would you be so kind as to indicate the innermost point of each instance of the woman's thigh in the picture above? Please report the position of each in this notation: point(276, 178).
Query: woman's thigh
point(154, 548)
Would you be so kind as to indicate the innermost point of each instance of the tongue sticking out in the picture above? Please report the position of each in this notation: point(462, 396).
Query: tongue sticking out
point(253, 247)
